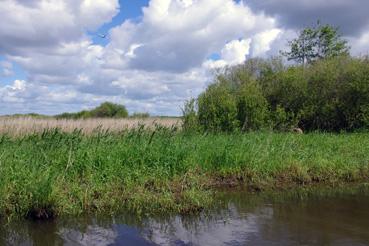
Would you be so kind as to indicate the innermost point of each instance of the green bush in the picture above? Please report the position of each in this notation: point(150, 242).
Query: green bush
point(140, 115)
point(330, 95)
point(252, 107)
point(190, 122)
point(338, 92)
point(217, 109)
point(105, 110)
point(108, 109)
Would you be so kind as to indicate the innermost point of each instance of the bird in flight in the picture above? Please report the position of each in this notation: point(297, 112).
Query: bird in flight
point(102, 35)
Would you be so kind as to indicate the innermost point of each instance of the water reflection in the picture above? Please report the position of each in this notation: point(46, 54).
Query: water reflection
point(340, 219)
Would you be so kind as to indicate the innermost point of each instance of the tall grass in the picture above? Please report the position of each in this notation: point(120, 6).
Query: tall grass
point(55, 172)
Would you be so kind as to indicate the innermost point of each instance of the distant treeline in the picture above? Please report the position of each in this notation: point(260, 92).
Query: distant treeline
point(104, 110)
point(330, 94)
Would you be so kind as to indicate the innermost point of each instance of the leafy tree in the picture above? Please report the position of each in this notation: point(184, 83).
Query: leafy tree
point(139, 115)
point(108, 109)
point(252, 107)
point(190, 119)
point(331, 94)
point(217, 109)
point(317, 42)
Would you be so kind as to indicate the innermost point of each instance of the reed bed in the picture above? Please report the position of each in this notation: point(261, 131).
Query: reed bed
point(164, 169)
point(20, 126)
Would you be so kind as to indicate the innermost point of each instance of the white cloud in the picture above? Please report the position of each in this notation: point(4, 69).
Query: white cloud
point(262, 41)
point(153, 63)
point(233, 53)
point(46, 24)
point(359, 45)
point(179, 35)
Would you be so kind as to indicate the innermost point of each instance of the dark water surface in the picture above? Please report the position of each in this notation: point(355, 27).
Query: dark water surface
point(294, 218)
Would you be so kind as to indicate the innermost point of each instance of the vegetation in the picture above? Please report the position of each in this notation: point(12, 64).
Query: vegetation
point(315, 43)
point(232, 134)
point(331, 94)
point(140, 115)
point(22, 126)
point(105, 110)
point(53, 173)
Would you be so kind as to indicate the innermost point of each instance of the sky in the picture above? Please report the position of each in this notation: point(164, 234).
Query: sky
point(150, 55)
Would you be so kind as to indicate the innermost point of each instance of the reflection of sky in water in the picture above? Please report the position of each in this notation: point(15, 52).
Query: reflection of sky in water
point(93, 236)
point(229, 229)
point(100, 236)
point(334, 221)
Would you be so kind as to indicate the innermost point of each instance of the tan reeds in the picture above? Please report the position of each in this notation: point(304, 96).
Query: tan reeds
point(18, 126)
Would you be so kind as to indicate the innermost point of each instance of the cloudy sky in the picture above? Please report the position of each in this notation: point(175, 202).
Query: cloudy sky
point(156, 54)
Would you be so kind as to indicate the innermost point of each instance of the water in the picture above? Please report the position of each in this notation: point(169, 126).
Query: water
point(333, 218)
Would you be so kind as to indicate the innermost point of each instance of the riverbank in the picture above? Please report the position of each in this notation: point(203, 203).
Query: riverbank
point(55, 173)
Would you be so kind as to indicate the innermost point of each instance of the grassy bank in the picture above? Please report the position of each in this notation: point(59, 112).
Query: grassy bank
point(55, 173)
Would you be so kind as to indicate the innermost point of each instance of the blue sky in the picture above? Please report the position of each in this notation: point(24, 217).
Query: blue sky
point(157, 53)
point(128, 10)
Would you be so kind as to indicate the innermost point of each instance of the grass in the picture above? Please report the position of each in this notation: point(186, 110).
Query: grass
point(50, 173)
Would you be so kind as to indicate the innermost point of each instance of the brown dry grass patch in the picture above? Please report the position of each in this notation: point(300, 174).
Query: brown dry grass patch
point(18, 126)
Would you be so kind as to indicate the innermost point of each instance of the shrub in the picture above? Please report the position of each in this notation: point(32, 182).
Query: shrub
point(190, 119)
point(331, 94)
point(217, 109)
point(140, 115)
point(105, 110)
point(108, 109)
point(252, 107)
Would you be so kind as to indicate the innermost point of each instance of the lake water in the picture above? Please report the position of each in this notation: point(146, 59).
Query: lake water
point(293, 218)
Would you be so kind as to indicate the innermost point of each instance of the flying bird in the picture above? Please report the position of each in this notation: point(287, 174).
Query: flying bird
point(102, 35)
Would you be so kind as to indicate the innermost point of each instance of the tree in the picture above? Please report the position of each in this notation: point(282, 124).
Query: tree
point(315, 43)
point(252, 107)
point(108, 109)
point(190, 119)
point(217, 109)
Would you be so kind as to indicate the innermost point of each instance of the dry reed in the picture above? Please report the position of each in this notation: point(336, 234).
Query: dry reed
point(18, 126)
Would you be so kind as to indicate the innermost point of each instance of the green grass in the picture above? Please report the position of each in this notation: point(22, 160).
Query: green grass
point(164, 170)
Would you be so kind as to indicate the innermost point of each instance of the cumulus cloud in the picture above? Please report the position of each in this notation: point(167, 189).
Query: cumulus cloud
point(150, 64)
point(43, 24)
point(359, 45)
point(171, 39)
point(351, 16)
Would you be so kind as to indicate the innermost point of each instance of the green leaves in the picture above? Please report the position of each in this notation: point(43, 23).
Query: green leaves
point(317, 42)
point(331, 94)
point(105, 110)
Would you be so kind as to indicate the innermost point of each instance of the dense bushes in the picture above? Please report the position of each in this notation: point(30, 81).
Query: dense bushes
point(329, 95)
point(217, 108)
point(105, 110)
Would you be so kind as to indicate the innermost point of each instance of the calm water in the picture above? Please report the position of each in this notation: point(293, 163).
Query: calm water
point(334, 218)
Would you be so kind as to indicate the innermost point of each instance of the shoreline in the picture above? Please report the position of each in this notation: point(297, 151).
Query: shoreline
point(51, 174)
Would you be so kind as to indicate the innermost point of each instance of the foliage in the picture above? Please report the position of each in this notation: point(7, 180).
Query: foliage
point(140, 115)
point(331, 94)
point(217, 109)
point(108, 109)
point(163, 170)
point(105, 110)
point(317, 42)
point(190, 122)
point(252, 107)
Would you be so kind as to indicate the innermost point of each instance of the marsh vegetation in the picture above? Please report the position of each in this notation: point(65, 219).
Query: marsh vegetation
point(143, 170)
point(238, 132)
